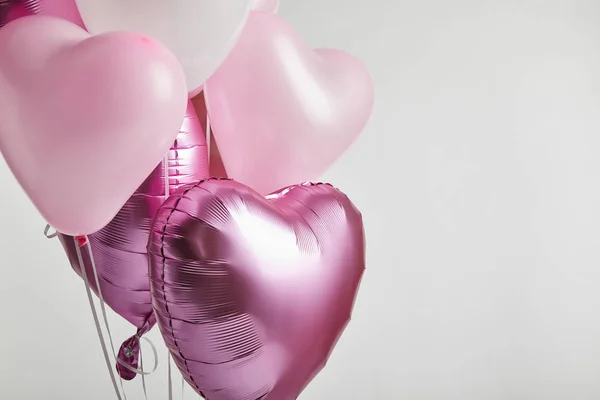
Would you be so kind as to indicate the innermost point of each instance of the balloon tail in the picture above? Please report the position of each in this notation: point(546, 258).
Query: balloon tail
point(128, 356)
point(130, 353)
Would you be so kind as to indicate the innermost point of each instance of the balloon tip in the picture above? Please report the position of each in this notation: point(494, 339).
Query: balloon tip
point(128, 357)
point(82, 240)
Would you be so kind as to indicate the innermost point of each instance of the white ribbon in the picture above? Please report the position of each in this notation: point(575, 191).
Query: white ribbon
point(107, 358)
point(170, 382)
point(97, 322)
point(107, 325)
point(51, 235)
point(142, 367)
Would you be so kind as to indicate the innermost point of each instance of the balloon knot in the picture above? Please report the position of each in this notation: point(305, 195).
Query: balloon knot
point(82, 240)
point(129, 354)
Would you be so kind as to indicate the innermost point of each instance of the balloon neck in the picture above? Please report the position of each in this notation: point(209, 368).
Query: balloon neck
point(129, 352)
point(82, 240)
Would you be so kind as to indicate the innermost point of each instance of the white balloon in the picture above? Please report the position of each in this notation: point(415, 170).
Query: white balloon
point(201, 33)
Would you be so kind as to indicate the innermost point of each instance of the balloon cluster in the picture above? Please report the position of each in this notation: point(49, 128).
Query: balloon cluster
point(103, 118)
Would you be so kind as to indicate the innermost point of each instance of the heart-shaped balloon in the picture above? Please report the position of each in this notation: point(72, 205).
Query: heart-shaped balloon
point(201, 33)
point(281, 112)
point(250, 293)
point(84, 119)
point(119, 249)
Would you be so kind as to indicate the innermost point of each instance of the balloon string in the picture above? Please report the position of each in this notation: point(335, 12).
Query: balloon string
point(107, 325)
point(170, 383)
point(79, 242)
point(103, 307)
point(97, 322)
point(49, 235)
point(143, 376)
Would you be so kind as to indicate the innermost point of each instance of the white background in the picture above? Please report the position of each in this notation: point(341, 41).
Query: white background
point(479, 179)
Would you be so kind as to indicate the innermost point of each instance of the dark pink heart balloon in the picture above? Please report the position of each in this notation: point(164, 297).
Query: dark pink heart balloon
point(119, 249)
point(14, 9)
point(252, 293)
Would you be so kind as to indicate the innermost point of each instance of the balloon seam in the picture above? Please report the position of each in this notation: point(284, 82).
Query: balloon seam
point(164, 260)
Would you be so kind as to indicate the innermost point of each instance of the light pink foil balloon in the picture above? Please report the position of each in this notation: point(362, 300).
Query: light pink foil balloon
point(252, 294)
point(64, 9)
point(270, 6)
point(281, 112)
point(84, 119)
point(119, 249)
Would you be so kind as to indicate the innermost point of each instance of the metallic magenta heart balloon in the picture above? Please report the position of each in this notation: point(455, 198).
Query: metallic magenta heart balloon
point(14, 9)
point(251, 293)
point(119, 249)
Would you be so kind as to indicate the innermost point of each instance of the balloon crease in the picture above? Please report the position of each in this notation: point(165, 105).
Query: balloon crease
point(164, 260)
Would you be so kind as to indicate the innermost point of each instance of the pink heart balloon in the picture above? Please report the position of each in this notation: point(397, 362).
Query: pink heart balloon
point(252, 294)
point(119, 249)
point(281, 112)
point(84, 119)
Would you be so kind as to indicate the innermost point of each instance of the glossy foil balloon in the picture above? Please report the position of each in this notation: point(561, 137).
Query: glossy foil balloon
point(251, 294)
point(281, 112)
point(14, 9)
point(201, 33)
point(84, 119)
point(119, 249)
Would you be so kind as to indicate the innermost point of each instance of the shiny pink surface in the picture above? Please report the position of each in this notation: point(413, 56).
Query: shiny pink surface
point(15, 9)
point(84, 119)
point(119, 249)
point(281, 112)
point(252, 294)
